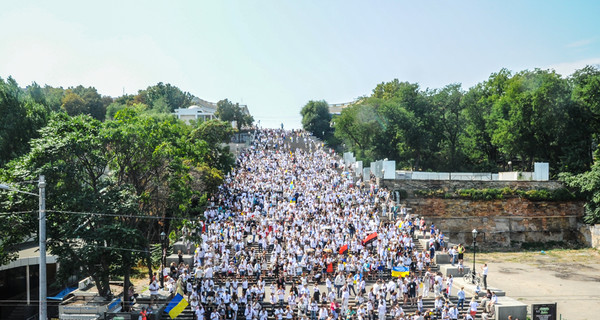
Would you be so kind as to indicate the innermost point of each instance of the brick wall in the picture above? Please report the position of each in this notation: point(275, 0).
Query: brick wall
point(508, 222)
point(502, 223)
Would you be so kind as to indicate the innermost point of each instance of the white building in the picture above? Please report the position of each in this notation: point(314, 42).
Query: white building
point(196, 112)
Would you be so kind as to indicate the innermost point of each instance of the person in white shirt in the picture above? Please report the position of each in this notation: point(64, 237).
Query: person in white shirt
point(248, 313)
point(153, 287)
point(234, 308)
point(484, 273)
point(381, 310)
point(328, 284)
point(473, 307)
point(314, 309)
point(345, 299)
point(264, 315)
point(199, 312)
point(338, 283)
point(278, 314)
point(453, 312)
point(323, 313)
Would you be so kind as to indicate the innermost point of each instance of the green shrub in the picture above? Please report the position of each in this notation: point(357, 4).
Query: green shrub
point(562, 194)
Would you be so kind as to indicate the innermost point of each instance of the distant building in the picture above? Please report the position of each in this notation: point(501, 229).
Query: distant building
point(202, 110)
point(336, 108)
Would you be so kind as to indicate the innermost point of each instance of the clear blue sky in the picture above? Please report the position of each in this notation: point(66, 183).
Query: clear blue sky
point(277, 55)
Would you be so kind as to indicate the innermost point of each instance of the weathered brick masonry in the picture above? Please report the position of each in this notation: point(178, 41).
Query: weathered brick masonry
point(504, 222)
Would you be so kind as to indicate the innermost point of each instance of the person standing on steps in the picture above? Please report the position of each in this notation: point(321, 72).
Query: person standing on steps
point(461, 252)
point(461, 298)
point(484, 273)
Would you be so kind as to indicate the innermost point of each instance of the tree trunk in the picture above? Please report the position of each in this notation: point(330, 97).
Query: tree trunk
point(102, 284)
point(149, 263)
point(126, 280)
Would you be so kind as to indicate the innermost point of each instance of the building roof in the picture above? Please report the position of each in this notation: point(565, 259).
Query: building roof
point(336, 108)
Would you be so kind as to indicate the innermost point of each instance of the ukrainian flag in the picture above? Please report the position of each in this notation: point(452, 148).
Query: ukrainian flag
point(400, 271)
point(176, 306)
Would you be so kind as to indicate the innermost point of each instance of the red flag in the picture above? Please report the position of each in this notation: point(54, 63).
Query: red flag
point(343, 249)
point(330, 268)
point(370, 238)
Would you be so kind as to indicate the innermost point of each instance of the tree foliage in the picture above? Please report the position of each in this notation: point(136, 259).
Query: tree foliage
point(21, 117)
point(164, 98)
point(104, 179)
point(588, 184)
point(317, 119)
point(524, 117)
point(81, 100)
point(230, 112)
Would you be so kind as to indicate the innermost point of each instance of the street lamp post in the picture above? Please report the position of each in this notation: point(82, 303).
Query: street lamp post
point(42, 241)
point(162, 259)
point(474, 249)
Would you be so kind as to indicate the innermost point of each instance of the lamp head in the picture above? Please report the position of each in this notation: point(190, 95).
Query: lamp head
point(162, 236)
point(474, 233)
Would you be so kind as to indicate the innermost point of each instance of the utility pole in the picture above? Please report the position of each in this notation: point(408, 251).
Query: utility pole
point(42, 236)
point(43, 310)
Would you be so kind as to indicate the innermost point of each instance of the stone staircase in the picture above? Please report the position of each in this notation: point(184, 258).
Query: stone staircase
point(188, 314)
point(428, 303)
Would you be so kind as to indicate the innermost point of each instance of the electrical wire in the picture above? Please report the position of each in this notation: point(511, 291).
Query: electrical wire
point(118, 215)
point(16, 212)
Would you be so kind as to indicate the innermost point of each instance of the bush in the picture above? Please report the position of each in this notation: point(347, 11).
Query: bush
point(562, 194)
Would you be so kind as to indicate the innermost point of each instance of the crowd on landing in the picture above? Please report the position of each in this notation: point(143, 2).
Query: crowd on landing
point(285, 239)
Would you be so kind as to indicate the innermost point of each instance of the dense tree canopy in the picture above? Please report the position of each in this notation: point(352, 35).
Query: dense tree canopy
point(316, 118)
point(138, 165)
point(522, 118)
point(164, 98)
point(20, 118)
point(230, 112)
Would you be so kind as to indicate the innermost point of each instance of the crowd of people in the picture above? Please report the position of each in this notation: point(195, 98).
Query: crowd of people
point(285, 239)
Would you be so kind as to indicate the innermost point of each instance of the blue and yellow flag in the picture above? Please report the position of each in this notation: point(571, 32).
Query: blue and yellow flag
point(400, 271)
point(176, 306)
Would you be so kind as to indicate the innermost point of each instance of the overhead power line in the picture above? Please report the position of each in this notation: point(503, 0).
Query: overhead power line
point(118, 215)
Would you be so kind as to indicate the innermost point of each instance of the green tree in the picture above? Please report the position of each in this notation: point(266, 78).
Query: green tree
point(73, 104)
point(480, 124)
point(72, 154)
point(529, 117)
point(209, 143)
point(588, 184)
point(229, 112)
point(20, 120)
point(317, 119)
point(359, 127)
point(148, 153)
point(586, 90)
point(164, 97)
point(447, 103)
point(136, 165)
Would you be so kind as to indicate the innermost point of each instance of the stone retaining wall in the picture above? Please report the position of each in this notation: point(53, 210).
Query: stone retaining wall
point(591, 235)
point(506, 222)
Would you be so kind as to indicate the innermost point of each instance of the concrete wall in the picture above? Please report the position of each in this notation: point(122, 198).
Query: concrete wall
point(591, 235)
point(508, 222)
